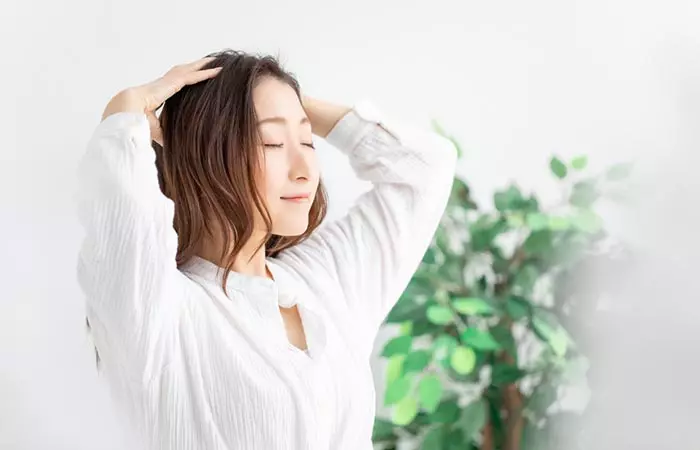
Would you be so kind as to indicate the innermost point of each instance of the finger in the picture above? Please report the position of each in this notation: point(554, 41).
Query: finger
point(165, 87)
point(196, 65)
point(201, 75)
point(173, 75)
point(191, 67)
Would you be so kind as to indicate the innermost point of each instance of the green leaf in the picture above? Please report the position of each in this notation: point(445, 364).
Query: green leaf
point(443, 346)
point(416, 361)
point(446, 412)
point(406, 328)
point(536, 438)
point(455, 440)
point(517, 307)
point(515, 220)
point(500, 265)
point(461, 195)
point(580, 162)
point(551, 332)
point(542, 328)
point(472, 306)
point(572, 249)
point(529, 205)
point(422, 327)
point(505, 339)
point(584, 194)
point(453, 269)
point(495, 417)
point(559, 342)
point(574, 370)
point(394, 368)
point(558, 167)
point(505, 374)
point(480, 240)
point(538, 242)
point(473, 418)
point(484, 231)
point(619, 171)
point(508, 199)
point(542, 398)
point(435, 438)
point(587, 221)
point(430, 256)
point(512, 200)
point(439, 315)
point(526, 278)
point(406, 309)
point(430, 392)
point(411, 304)
point(383, 430)
point(405, 411)
point(463, 360)
point(479, 339)
point(396, 391)
point(536, 221)
point(559, 223)
point(501, 201)
point(397, 345)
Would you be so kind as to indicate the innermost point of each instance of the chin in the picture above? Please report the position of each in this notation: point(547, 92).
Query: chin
point(293, 229)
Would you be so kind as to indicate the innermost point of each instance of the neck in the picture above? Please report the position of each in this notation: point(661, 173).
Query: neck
point(247, 262)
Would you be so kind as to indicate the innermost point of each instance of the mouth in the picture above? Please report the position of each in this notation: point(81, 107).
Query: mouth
point(297, 199)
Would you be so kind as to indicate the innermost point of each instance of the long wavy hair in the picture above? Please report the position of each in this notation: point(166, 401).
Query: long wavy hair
point(211, 155)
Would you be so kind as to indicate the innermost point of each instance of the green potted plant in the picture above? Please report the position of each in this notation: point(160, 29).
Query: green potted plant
point(488, 331)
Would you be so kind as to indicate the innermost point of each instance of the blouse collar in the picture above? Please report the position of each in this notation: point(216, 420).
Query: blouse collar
point(265, 296)
point(284, 289)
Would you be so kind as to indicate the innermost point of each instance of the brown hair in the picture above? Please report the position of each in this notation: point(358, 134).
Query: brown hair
point(211, 155)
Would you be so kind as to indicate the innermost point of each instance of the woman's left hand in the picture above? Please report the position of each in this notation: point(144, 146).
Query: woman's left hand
point(323, 115)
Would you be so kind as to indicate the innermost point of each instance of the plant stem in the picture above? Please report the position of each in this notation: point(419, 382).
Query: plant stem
point(513, 399)
point(487, 437)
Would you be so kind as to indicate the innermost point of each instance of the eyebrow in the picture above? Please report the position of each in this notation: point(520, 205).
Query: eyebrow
point(279, 119)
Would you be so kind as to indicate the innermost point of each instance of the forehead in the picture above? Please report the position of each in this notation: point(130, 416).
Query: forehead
point(273, 97)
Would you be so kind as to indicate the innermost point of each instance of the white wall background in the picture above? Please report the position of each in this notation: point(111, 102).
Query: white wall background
point(514, 80)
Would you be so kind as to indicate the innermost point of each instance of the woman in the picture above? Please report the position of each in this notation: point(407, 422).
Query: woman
point(224, 315)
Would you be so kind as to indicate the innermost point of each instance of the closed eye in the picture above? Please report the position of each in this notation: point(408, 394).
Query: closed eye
point(310, 145)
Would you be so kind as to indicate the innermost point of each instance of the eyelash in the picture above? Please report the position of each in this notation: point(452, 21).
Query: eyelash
point(281, 145)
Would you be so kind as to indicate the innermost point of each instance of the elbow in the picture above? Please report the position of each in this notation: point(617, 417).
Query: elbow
point(450, 154)
point(445, 162)
point(435, 174)
point(444, 170)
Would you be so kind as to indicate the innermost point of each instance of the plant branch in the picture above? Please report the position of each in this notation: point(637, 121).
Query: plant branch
point(487, 437)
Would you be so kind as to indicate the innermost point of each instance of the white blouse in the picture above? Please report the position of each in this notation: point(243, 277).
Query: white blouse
point(192, 368)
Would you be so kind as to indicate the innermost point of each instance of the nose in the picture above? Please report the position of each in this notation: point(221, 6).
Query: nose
point(301, 164)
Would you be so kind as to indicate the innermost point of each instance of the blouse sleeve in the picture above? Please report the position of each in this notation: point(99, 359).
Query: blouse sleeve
point(126, 264)
point(375, 248)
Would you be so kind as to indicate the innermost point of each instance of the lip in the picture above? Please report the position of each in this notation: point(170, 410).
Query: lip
point(297, 197)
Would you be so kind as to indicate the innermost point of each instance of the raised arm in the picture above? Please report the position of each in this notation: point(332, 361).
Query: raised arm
point(376, 247)
point(126, 264)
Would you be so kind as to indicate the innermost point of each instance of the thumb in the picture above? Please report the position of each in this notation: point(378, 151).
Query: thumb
point(156, 132)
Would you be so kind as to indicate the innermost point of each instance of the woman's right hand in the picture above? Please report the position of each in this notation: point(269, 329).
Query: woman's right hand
point(147, 98)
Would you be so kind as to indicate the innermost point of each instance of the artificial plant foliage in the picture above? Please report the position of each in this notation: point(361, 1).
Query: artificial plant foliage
point(493, 279)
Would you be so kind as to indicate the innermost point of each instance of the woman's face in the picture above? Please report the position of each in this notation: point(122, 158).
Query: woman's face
point(290, 165)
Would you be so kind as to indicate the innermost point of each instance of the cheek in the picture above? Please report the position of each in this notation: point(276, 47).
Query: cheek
point(273, 184)
point(314, 171)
